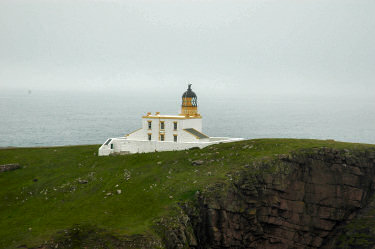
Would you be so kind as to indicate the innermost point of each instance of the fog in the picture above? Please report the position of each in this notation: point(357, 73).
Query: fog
point(308, 47)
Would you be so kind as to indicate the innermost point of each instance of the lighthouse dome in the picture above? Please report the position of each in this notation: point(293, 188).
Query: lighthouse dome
point(189, 103)
point(189, 93)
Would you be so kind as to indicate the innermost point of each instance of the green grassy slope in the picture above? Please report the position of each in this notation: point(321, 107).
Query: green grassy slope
point(45, 196)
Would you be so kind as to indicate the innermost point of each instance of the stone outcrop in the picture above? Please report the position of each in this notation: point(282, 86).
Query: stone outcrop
point(9, 167)
point(177, 231)
point(303, 200)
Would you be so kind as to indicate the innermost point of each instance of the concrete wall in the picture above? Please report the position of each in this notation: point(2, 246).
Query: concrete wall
point(138, 135)
point(152, 146)
point(187, 137)
point(169, 131)
point(195, 123)
point(123, 145)
point(104, 150)
point(137, 141)
point(154, 128)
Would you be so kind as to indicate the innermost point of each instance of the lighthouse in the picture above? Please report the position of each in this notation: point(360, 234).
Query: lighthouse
point(189, 105)
point(166, 132)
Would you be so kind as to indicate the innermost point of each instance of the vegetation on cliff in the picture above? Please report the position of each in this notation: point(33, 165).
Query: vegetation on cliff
point(60, 193)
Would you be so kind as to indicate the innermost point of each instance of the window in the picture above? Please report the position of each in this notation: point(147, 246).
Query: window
point(149, 125)
point(161, 125)
point(175, 126)
point(161, 137)
point(111, 146)
point(149, 137)
point(175, 138)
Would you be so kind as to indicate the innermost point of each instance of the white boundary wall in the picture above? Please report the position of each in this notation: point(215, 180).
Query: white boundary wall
point(124, 145)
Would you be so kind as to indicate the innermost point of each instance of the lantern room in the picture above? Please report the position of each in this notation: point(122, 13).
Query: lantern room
point(189, 105)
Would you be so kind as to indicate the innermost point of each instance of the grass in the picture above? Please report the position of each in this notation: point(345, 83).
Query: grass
point(45, 196)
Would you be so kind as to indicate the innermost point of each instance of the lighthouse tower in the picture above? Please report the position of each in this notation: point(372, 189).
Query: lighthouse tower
point(189, 103)
point(166, 132)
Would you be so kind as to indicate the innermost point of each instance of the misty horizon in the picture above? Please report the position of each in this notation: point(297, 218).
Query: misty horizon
point(238, 48)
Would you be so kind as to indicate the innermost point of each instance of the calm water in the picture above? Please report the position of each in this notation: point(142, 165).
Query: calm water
point(69, 119)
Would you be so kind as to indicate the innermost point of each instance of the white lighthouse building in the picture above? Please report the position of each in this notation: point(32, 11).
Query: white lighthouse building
point(166, 132)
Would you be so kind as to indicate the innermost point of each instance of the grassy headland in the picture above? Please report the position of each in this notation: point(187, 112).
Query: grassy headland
point(60, 187)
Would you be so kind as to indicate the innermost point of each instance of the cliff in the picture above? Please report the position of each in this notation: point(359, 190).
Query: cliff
point(319, 198)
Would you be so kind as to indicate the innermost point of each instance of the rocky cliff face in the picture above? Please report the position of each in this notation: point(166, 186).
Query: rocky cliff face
point(304, 200)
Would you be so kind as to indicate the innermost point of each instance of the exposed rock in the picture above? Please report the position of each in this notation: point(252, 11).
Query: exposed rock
point(299, 201)
point(176, 231)
point(9, 167)
point(82, 181)
point(197, 162)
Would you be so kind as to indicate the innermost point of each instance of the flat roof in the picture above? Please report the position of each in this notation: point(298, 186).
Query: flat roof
point(196, 133)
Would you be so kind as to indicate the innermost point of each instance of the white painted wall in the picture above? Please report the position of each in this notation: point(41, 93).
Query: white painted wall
point(137, 141)
point(195, 123)
point(152, 146)
point(104, 150)
point(169, 131)
point(123, 145)
point(154, 128)
point(138, 135)
point(187, 137)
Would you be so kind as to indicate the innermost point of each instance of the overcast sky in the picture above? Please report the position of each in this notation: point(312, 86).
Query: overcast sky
point(254, 46)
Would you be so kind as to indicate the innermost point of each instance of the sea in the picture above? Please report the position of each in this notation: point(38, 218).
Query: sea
point(34, 119)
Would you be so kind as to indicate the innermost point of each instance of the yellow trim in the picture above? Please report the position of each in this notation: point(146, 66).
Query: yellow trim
point(194, 134)
point(190, 110)
point(180, 117)
point(133, 132)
